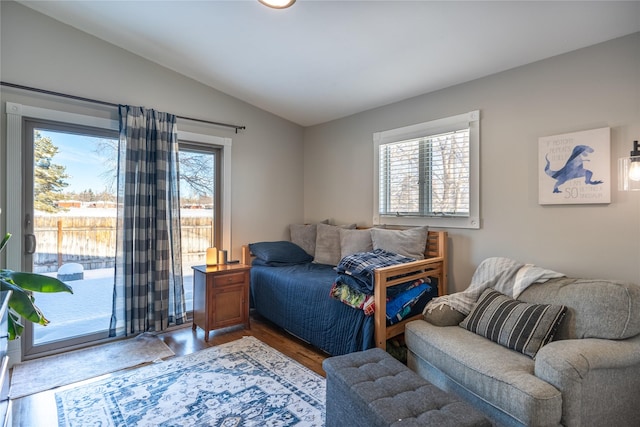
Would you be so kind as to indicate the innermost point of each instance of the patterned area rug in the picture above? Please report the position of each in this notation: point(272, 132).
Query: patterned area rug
point(67, 368)
point(241, 383)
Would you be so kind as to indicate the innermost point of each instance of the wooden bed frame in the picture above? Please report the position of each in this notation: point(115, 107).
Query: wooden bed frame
point(434, 265)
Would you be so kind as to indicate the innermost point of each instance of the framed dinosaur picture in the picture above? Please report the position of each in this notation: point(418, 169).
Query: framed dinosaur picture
point(574, 168)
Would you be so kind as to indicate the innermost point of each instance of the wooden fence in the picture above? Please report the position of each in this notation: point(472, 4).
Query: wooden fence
point(91, 241)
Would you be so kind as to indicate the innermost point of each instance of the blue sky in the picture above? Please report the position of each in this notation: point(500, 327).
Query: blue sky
point(84, 165)
point(77, 153)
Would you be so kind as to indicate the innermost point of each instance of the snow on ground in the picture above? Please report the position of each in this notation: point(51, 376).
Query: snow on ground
point(88, 309)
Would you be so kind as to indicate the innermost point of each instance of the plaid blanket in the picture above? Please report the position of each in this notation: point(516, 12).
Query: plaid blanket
point(361, 265)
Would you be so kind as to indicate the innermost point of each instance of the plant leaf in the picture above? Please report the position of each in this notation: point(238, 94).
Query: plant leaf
point(36, 282)
point(22, 302)
point(15, 326)
point(4, 241)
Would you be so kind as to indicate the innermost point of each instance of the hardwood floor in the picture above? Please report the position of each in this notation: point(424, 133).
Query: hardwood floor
point(40, 409)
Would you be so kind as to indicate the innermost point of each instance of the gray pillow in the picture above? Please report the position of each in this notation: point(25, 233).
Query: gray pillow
point(514, 324)
point(443, 316)
point(304, 235)
point(353, 241)
point(328, 243)
point(411, 242)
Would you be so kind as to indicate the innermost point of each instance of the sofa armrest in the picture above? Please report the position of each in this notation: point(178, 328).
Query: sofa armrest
point(573, 359)
point(582, 369)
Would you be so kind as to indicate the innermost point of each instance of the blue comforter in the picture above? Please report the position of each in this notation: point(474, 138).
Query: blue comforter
point(296, 298)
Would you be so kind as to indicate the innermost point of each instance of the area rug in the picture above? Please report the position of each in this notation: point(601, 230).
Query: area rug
point(241, 383)
point(54, 371)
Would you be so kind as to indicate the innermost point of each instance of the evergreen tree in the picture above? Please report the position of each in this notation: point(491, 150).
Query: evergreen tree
point(49, 178)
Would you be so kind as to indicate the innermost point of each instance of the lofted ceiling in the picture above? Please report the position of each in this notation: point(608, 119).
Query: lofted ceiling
point(321, 59)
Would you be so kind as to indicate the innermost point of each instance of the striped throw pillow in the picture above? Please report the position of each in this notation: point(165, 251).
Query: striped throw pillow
point(518, 325)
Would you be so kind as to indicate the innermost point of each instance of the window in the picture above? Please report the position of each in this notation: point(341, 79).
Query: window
point(427, 174)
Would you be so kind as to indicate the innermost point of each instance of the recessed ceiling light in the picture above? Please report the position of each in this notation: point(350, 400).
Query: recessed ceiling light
point(277, 4)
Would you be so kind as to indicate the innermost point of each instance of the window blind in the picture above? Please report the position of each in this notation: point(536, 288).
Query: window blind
point(425, 176)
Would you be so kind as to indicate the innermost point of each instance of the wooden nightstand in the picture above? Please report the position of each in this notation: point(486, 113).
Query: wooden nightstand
point(220, 296)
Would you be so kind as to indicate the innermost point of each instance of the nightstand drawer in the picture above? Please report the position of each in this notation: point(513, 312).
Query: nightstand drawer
point(229, 279)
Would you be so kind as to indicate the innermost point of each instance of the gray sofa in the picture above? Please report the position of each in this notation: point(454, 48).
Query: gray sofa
point(589, 375)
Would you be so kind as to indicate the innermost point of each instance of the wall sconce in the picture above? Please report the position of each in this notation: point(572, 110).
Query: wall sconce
point(277, 4)
point(629, 170)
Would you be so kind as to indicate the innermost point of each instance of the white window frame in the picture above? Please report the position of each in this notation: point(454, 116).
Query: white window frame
point(420, 130)
point(16, 112)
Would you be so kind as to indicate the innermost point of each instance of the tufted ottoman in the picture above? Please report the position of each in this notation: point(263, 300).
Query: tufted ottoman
point(371, 388)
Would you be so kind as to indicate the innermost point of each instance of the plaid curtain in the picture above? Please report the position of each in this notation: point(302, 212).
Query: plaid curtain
point(148, 291)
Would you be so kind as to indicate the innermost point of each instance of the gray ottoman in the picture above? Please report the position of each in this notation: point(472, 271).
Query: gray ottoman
point(371, 388)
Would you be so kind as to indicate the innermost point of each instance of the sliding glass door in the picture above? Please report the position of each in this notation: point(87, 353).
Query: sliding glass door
point(69, 210)
point(69, 225)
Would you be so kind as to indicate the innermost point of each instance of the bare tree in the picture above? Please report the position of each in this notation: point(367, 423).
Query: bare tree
point(196, 170)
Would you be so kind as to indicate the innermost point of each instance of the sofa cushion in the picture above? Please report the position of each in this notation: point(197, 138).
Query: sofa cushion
point(514, 324)
point(595, 308)
point(501, 377)
point(411, 242)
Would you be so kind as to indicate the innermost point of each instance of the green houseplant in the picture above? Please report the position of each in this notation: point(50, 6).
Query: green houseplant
point(22, 301)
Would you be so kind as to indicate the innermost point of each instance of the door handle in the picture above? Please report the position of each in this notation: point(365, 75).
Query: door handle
point(29, 243)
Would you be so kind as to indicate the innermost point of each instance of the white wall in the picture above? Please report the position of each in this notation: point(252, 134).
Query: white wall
point(590, 88)
point(267, 157)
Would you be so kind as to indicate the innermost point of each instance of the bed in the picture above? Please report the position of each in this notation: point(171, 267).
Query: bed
point(295, 297)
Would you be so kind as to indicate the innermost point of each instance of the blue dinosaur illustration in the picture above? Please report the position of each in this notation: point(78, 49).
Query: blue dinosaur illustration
point(573, 168)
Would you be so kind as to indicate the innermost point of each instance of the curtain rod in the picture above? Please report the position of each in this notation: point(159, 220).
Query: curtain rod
point(111, 104)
